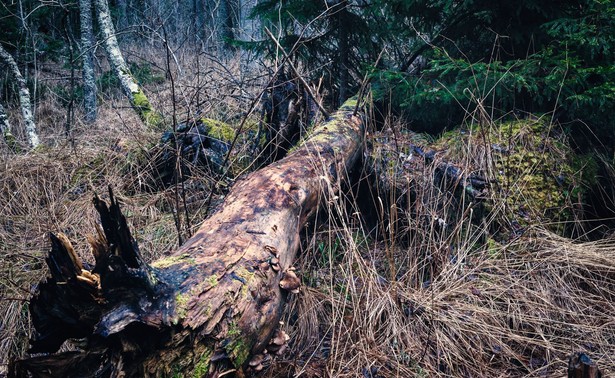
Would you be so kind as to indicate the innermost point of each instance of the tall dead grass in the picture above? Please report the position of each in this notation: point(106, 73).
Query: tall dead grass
point(434, 295)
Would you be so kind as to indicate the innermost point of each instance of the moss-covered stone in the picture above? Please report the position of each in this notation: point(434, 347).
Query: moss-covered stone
point(533, 175)
point(241, 157)
point(219, 130)
point(534, 172)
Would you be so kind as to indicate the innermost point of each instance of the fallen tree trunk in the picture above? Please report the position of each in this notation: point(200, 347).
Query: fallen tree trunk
point(214, 304)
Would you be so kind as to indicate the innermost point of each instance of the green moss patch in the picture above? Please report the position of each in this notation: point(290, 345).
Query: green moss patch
point(533, 171)
point(145, 110)
point(173, 260)
point(219, 130)
point(532, 174)
point(201, 369)
point(236, 347)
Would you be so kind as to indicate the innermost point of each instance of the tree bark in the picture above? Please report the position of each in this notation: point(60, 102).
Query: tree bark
point(24, 97)
point(5, 126)
point(5, 130)
point(215, 303)
point(87, 52)
point(131, 88)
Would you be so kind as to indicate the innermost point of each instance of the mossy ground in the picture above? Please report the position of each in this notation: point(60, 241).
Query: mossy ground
point(534, 176)
point(531, 166)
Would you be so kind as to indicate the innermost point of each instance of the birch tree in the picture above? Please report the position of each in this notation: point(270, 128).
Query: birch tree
point(5, 126)
point(87, 52)
point(131, 88)
point(24, 97)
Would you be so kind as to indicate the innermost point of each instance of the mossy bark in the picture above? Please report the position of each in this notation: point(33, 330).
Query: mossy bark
point(216, 300)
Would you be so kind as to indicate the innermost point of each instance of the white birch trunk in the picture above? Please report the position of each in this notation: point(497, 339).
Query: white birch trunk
point(87, 51)
point(131, 88)
point(5, 129)
point(5, 126)
point(24, 97)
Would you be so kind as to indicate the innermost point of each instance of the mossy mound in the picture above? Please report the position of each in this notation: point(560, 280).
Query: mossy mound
point(534, 175)
point(246, 144)
point(522, 173)
point(219, 130)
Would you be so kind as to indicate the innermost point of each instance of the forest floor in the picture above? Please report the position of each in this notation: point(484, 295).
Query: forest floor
point(403, 276)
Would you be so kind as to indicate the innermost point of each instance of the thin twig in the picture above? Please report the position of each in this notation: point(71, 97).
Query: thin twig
point(178, 173)
point(366, 80)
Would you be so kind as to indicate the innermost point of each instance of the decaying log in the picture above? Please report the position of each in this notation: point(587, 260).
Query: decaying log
point(213, 306)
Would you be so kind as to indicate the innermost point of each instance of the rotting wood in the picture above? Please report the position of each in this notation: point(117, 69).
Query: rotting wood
point(213, 303)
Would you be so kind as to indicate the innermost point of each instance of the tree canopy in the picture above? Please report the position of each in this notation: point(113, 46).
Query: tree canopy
point(445, 59)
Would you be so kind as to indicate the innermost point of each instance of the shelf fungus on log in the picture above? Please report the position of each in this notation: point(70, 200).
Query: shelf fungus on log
point(214, 303)
point(290, 281)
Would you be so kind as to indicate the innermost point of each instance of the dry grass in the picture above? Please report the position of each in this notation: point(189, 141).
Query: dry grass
point(518, 314)
point(427, 300)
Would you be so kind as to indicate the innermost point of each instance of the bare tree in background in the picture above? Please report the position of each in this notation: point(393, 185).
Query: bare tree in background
point(24, 97)
point(221, 23)
point(122, 10)
point(131, 88)
point(228, 18)
point(87, 52)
